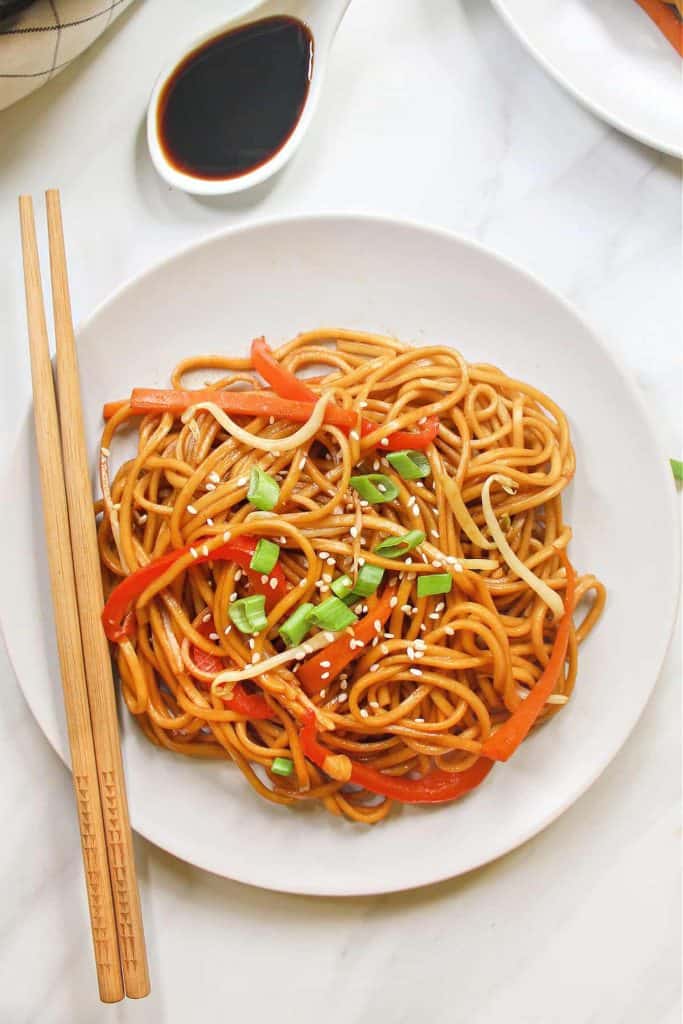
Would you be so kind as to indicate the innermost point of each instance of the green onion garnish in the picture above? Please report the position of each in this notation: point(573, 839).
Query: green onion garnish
point(342, 586)
point(369, 578)
point(295, 628)
point(396, 547)
point(263, 491)
point(375, 487)
point(409, 464)
point(265, 556)
point(333, 614)
point(248, 614)
point(677, 469)
point(437, 583)
point(282, 766)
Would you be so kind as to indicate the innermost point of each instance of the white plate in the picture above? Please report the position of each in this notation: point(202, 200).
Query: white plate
point(612, 57)
point(281, 277)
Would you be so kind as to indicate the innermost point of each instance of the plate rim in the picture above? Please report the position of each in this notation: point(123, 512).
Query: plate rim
point(204, 859)
point(597, 109)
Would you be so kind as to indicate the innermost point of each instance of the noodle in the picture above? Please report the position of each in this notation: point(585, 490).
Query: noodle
point(408, 700)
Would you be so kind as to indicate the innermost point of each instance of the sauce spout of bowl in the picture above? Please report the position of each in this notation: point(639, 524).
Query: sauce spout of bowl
point(232, 108)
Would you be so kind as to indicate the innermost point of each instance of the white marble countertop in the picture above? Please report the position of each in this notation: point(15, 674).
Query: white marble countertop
point(431, 111)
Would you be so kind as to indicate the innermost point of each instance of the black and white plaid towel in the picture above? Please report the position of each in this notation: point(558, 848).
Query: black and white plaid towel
point(45, 38)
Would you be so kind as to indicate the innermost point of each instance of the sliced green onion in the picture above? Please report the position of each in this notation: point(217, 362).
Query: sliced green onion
point(333, 614)
point(409, 464)
point(369, 578)
point(295, 628)
point(342, 586)
point(677, 469)
point(264, 491)
point(282, 766)
point(396, 547)
point(248, 614)
point(265, 556)
point(437, 583)
point(375, 487)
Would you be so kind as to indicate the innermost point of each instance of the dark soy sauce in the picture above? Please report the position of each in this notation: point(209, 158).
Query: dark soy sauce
point(234, 102)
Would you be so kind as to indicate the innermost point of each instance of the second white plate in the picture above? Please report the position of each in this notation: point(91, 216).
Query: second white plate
point(612, 57)
point(423, 285)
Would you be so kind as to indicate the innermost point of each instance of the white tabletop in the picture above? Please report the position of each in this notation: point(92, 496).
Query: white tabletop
point(433, 112)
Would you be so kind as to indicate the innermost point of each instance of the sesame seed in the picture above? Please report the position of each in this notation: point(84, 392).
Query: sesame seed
point(419, 654)
point(323, 693)
point(264, 577)
point(241, 481)
point(205, 551)
point(422, 421)
point(344, 684)
point(388, 636)
point(435, 533)
point(273, 583)
point(409, 560)
point(363, 503)
point(416, 671)
point(354, 532)
point(206, 617)
point(361, 561)
point(354, 435)
point(251, 643)
point(255, 657)
point(226, 535)
point(373, 703)
point(440, 606)
point(378, 626)
point(213, 636)
point(213, 475)
point(324, 555)
point(276, 454)
point(192, 510)
point(458, 567)
point(364, 712)
point(420, 645)
point(302, 462)
point(210, 487)
point(194, 553)
point(341, 697)
point(411, 653)
point(209, 521)
point(419, 721)
point(449, 631)
point(384, 649)
point(327, 577)
point(437, 564)
point(381, 488)
point(407, 608)
point(374, 667)
point(434, 615)
point(376, 465)
point(227, 630)
point(416, 510)
point(362, 404)
point(233, 597)
point(271, 420)
point(385, 442)
point(393, 602)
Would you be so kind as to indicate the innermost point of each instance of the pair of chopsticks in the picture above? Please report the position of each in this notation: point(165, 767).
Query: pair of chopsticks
point(97, 769)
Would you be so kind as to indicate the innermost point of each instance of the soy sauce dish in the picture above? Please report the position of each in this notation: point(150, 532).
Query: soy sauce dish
point(231, 110)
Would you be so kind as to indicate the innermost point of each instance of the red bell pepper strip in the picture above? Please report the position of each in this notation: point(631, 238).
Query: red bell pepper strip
point(239, 550)
point(435, 788)
point(505, 741)
point(287, 385)
point(339, 653)
point(251, 705)
point(284, 383)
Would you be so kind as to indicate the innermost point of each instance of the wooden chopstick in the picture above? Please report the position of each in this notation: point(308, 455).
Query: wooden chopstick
point(83, 763)
point(90, 602)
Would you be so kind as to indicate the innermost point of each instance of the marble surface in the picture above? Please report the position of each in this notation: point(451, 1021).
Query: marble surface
point(431, 111)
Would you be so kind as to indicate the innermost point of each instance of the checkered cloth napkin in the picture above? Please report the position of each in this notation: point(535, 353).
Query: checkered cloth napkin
point(42, 40)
